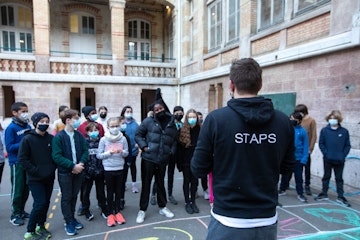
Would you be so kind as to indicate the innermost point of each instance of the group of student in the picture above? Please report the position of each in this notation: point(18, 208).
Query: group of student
point(98, 150)
point(334, 143)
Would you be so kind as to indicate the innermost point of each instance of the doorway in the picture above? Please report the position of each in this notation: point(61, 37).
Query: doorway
point(147, 98)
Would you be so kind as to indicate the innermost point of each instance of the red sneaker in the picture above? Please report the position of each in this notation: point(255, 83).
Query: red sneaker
point(119, 218)
point(111, 221)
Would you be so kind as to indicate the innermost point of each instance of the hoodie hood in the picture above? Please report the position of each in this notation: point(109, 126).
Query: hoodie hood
point(254, 111)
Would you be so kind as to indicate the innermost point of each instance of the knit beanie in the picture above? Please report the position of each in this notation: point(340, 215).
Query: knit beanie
point(36, 117)
point(87, 109)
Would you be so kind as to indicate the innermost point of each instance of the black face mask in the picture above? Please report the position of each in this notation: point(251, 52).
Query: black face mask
point(161, 115)
point(103, 115)
point(294, 122)
point(43, 127)
point(178, 117)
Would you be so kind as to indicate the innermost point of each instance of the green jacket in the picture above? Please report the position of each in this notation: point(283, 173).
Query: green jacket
point(62, 154)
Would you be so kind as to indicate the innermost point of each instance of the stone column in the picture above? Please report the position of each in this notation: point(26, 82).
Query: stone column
point(41, 13)
point(118, 36)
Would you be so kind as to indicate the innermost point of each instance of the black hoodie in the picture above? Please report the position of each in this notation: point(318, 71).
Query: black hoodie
point(35, 156)
point(246, 145)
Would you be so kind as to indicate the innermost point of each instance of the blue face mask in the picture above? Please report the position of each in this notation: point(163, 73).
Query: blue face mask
point(76, 123)
point(128, 115)
point(122, 127)
point(192, 121)
point(94, 134)
point(333, 121)
point(94, 117)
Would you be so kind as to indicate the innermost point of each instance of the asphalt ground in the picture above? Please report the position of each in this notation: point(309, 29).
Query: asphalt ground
point(313, 220)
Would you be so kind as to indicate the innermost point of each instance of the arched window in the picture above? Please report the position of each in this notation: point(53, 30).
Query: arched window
point(16, 29)
point(139, 45)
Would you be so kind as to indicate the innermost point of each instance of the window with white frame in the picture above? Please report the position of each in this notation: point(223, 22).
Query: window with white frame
point(306, 5)
point(139, 42)
point(16, 29)
point(214, 25)
point(233, 24)
point(82, 23)
point(270, 12)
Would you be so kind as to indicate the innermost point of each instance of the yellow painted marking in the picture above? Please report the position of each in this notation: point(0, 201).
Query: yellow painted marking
point(53, 207)
point(56, 200)
point(59, 194)
point(47, 225)
point(176, 229)
point(51, 215)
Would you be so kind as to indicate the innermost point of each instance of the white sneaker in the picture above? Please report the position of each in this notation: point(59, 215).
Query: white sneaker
point(134, 188)
point(206, 195)
point(140, 217)
point(166, 212)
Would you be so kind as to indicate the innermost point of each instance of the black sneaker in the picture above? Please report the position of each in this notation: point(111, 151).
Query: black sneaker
point(282, 192)
point(194, 207)
point(104, 214)
point(25, 215)
point(81, 211)
point(89, 215)
point(307, 190)
point(343, 201)
point(321, 197)
point(188, 208)
point(302, 198)
point(16, 220)
point(173, 200)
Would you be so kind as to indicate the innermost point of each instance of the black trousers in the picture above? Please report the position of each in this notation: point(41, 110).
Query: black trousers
point(114, 180)
point(100, 192)
point(41, 192)
point(190, 185)
point(148, 171)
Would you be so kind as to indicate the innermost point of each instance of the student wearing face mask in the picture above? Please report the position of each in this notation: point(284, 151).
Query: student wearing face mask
point(157, 138)
point(178, 113)
point(35, 157)
point(129, 126)
point(189, 134)
point(90, 115)
point(19, 189)
point(103, 117)
point(334, 143)
point(113, 149)
point(301, 156)
point(93, 173)
point(70, 154)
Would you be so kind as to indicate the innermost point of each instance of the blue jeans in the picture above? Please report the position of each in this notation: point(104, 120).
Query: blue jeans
point(70, 186)
point(218, 231)
point(41, 192)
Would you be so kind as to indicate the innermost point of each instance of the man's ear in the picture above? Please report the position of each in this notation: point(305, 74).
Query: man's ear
point(231, 86)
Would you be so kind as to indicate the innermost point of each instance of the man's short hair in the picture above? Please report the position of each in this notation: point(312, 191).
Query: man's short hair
point(17, 106)
point(178, 108)
point(302, 108)
point(68, 114)
point(246, 74)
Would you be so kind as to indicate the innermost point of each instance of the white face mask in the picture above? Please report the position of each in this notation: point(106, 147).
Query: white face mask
point(114, 130)
point(333, 122)
point(24, 117)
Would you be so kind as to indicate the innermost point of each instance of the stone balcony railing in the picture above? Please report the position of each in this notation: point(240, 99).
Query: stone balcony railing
point(17, 63)
point(150, 69)
point(93, 67)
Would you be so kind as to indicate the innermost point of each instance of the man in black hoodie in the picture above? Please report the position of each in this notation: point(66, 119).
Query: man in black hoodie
point(246, 145)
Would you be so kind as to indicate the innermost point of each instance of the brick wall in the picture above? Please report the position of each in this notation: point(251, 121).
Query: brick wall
point(266, 44)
